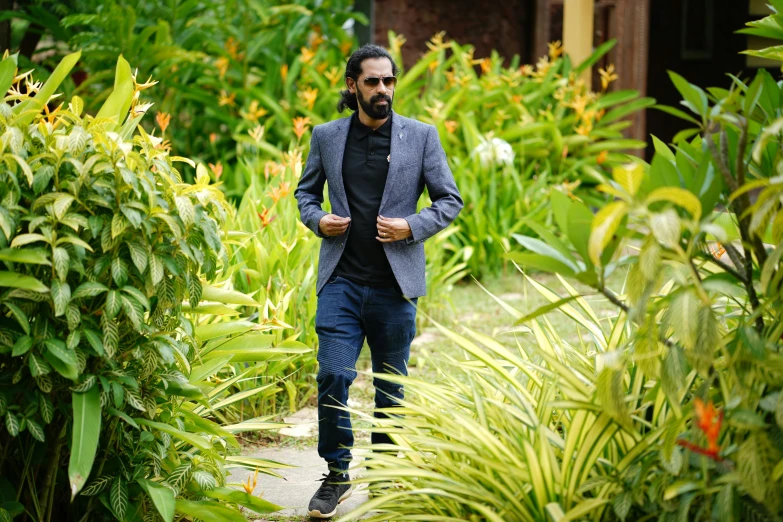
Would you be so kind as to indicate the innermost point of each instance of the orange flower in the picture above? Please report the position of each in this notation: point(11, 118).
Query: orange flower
point(226, 99)
point(250, 486)
point(601, 158)
point(709, 420)
point(526, 70)
point(51, 115)
point(164, 145)
point(486, 66)
point(213, 137)
point(451, 126)
point(307, 55)
point(264, 217)
point(222, 66)
point(163, 119)
point(217, 170)
point(300, 126)
point(280, 192)
point(517, 99)
point(284, 71)
point(346, 46)
point(232, 46)
point(272, 169)
point(321, 67)
point(333, 75)
point(309, 96)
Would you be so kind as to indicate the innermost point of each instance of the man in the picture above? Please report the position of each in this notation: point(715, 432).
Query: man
point(371, 264)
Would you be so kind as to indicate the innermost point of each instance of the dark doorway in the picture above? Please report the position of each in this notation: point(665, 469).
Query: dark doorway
point(696, 39)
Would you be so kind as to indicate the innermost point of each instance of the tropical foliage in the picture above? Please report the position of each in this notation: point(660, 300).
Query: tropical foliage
point(106, 253)
point(671, 409)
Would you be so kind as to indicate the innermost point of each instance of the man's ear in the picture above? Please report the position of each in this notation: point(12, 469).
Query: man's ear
point(351, 84)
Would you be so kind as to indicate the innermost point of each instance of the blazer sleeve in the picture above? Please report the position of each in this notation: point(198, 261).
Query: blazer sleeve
point(446, 200)
point(309, 192)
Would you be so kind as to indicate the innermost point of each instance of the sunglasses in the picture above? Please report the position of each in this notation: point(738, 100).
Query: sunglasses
point(373, 81)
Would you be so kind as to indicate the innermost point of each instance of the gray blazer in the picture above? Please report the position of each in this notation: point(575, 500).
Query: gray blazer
point(417, 159)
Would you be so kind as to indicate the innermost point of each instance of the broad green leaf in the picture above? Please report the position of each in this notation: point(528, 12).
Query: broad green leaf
point(221, 295)
point(215, 330)
point(7, 72)
point(88, 289)
point(29, 256)
point(190, 438)
point(605, 224)
point(85, 435)
point(28, 109)
point(695, 97)
point(117, 104)
point(14, 280)
point(208, 511)
point(629, 177)
point(161, 496)
point(234, 496)
point(678, 196)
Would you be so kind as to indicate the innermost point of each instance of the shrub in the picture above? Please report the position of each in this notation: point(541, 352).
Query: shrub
point(672, 409)
point(101, 243)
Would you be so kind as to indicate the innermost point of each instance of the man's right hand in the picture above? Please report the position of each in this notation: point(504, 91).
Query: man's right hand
point(331, 225)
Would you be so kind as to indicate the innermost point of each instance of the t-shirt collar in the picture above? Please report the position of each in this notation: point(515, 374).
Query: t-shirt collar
point(361, 130)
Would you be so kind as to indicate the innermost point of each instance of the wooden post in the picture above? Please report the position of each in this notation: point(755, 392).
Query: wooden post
point(578, 32)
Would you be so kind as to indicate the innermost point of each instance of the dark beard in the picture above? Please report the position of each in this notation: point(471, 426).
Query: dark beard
point(376, 112)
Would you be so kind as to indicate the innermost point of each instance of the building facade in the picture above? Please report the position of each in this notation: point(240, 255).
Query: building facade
point(695, 38)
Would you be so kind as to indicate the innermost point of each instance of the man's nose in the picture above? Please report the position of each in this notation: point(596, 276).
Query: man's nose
point(382, 87)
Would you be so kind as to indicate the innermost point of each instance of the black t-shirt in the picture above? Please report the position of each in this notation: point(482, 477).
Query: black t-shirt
point(365, 167)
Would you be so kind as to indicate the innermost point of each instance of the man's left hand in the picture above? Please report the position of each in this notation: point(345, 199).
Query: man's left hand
point(392, 229)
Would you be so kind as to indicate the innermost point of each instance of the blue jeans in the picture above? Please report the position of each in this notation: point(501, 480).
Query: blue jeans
point(347, 313)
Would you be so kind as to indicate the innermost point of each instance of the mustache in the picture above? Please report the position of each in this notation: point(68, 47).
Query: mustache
point(380, 97)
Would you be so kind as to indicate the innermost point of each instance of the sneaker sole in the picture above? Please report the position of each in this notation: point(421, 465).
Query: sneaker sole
point(317, 514)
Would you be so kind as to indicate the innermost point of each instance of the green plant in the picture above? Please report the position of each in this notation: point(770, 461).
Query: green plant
point(101, 243)
point(672, 409)
point(223, 67)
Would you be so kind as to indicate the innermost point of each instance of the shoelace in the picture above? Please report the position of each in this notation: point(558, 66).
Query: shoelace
point(327, 489)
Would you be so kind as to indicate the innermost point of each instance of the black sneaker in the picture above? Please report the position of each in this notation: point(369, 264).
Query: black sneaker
point(335, 489)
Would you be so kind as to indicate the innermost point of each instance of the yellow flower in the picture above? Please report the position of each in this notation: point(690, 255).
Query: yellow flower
point(585, 128)
point(486, 66)
point(253, 112)
point(250, 486)
point(602, 156)
point(163, 119)
point(306, 55)
point(555, 49)
point(222, 66)
point(396, 44)
point(333, 75)
point(315, 38)
point(451, 126)
point(579, 104)
point(433, 65)
point(284, 71)
point(321, 67)
point(226, 99)
point(257, 133)
point(309, 96)
point(300, 126)
point(346, 46)
point(436, 42)
point(516, 98)
point(293, 160)
point(607, 76)
point(526, 70)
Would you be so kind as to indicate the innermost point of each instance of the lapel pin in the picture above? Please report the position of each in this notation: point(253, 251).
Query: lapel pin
point(388, 158)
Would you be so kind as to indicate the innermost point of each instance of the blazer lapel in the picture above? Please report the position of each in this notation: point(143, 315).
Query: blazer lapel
point(334, 163)
point(397, 149)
